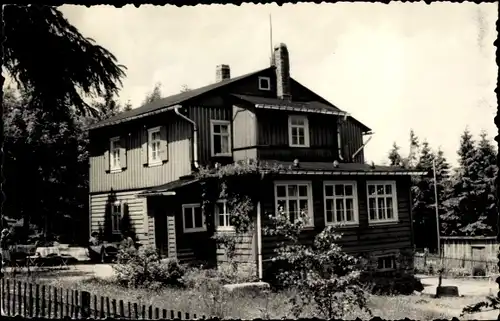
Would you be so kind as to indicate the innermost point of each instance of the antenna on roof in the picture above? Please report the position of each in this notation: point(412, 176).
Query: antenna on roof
point(271, 39)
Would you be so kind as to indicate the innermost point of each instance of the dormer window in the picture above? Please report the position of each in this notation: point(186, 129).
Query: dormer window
point(264, 83)
point(298, 131)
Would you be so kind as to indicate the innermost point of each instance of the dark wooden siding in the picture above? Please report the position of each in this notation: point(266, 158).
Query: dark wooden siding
point(272, 137)
point(351, 139)
point(250, 86)
point(136, 175)
point(364, 238)
point(202, 114)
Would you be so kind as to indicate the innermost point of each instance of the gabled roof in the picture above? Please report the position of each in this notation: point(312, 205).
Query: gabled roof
point(171, 100)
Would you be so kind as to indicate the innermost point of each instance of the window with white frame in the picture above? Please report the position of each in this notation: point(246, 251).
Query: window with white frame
point(382, 201)
point(294, 197)
point(221, 137)
point(116, 216)
point(387, 262)
point(222, 216)
point(154, 143)
point(341, 203)
point(264, 83)
point(114, 154)
point(193, 218)
point(298, 131)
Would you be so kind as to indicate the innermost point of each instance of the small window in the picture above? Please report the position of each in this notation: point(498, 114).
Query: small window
point(341, 203)
point(221, 138)
point(382, 202)
point(298, 131)
point(294, 197)
point(114, 154)
point(193, 218)
point(116, 216)
point(264, 83)
point(386, 263)
point(154, 143)
point(222, 216)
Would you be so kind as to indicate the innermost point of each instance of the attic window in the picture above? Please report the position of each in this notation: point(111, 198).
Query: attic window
point(264, 83)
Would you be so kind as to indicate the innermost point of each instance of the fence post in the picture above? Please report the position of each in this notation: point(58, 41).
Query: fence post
point(85, 310)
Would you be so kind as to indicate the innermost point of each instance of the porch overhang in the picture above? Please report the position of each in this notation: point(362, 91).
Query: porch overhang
point(168, 189)
point(342, 169)
point(279, 104)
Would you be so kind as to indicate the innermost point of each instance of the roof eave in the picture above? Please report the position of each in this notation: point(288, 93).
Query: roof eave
point(127, 119)
point(301, 109)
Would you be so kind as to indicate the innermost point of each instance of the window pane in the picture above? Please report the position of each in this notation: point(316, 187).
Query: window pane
point(328, 190)
point(329, 210)
point(292, 210)
point(381, 208)
point(388, 189)
point(281, 206)
point(292, 190)
point(372, 208)
point(188, 218)
point(371, 189)
point(349, 216)
point(389, 206)
point(349, 204)
point(217, 144)
point(217, 129)
point(302, 190)
point(302, 140)
point(280, 190)
point(295, 140)
point(339, 207)
point(198, 218)
point(380, 189)
point(224, 129)
point(224, 144)
point(339, 190)
point(348, 190)
point(303, 205)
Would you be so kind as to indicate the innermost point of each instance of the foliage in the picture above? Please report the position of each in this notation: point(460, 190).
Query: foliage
point(143, 268)
point(185, 88)
point(153, 95)
point(394, 156)
point(321, 274)
point(49, 72)
point(491, 302)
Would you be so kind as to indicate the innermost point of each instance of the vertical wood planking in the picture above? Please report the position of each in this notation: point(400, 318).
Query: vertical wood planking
point(77, 304)
point(49, 304)
point(31, 300)
point(19, 298)
point(66, 306)
point(37, 300)
point(7, 304)
point(42, 311)
point(25, 299)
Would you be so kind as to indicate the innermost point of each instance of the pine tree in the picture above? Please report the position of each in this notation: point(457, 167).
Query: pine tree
point(414, 148)
point(154, 95)
point(394, 156)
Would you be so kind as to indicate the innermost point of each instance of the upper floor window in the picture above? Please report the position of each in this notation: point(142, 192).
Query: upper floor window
point(154, 144)
point(222, 216)
point(382, 201)
point(298, 131)
point(116, 216)
point(341, 203)
point(193, 218)
point(114, 154)
point(294, 197)
point(264, 83)
point(220, 137)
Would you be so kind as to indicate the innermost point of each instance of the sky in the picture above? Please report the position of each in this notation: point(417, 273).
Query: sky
point(393, 67)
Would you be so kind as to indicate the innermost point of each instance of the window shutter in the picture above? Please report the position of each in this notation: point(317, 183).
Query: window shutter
point(123, 152)
point(164, 144)
point(144, 146)
point(106, 158)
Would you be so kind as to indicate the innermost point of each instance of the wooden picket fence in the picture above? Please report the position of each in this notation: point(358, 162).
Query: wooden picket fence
point(35, 300)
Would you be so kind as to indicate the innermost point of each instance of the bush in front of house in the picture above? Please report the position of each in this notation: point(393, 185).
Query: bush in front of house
point(399, 283)
point(321, 275)
point(144, 268)
point(479, 270)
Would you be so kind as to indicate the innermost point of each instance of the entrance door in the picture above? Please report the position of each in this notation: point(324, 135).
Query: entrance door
point(478, 261)
point(161, 234)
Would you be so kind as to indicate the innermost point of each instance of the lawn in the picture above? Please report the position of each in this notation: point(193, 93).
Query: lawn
point(214, 302)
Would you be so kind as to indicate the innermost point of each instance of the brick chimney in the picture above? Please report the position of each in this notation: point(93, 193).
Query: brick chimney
point(282, 63)
point(222, 72)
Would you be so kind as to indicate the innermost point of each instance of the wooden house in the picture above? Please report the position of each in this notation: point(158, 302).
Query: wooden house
point(142, 163)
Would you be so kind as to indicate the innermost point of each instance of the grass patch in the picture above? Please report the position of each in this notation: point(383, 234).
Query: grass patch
point(211, 300)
